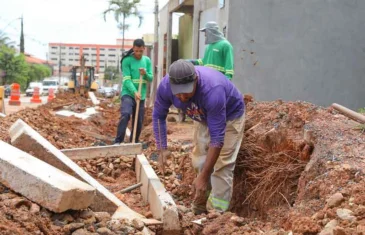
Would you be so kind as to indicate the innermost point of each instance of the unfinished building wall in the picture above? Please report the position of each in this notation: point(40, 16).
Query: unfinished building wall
point(294, 49)
point(185, 37)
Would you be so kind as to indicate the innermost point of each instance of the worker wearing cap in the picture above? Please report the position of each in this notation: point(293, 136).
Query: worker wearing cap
point(219, 51)
point(216, 105)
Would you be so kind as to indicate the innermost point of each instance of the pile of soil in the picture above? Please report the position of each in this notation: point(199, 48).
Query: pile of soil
point(78, 102)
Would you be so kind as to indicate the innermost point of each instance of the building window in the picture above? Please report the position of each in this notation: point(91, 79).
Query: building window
point(93, 54)
point(102, 66)
point(86, 49)
point(102, 49)
point(71, 59)
point(94, 60)
point(76, 59)
point(54, 59)
point(63, 48)
point(111, 61)
point(76, 48)
point(63, 53)
point(63, 59)
point(77, 54)
point(94, 49)
point(53, 53)
point(111, 49)
point(70, 53)
point(102, 55)
point(101, 61)
point(70, 48)
point(54, 47)
point(221, 3)
point(112, 55)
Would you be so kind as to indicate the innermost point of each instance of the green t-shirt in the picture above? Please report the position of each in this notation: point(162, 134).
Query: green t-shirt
point(219, 56)
point(130, 70)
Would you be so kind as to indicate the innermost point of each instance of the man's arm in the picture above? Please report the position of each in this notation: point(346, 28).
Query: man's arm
point(149, 74)
point(228, 55)
point(127, 78)
point(160, 111)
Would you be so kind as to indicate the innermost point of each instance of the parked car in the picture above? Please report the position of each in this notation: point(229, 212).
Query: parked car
point(109, 92)
point(7, 91)
point(32, 85)
point(116, 89)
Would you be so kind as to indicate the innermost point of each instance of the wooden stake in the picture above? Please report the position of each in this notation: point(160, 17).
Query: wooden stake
point(137, 109)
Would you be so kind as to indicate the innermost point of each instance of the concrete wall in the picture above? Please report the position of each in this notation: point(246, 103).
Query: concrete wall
point(162, 30)
point(185, 37)
point(311, 50)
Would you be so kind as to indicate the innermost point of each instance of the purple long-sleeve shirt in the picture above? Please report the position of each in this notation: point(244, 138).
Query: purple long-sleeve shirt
point(215, 102)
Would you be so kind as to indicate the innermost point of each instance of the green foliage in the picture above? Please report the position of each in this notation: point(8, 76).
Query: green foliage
point(361, 110)
point(111, 73)
point(5, 40)
point(37, 72)
point(14, 67)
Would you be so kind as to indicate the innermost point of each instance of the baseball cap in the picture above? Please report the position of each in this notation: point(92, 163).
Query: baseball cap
point(210, 25)
point(182, 76)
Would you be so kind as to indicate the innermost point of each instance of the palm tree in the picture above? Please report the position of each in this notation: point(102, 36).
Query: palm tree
point(5, 40)
point(123, 9)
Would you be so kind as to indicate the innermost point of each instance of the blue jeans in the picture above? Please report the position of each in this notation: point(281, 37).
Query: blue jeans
point(128, 108)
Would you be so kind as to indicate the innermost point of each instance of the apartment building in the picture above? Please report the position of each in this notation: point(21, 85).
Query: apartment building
point(97, 55)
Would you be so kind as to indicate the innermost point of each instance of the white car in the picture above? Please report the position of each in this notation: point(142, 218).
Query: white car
point(32, 85)
point(109, 92)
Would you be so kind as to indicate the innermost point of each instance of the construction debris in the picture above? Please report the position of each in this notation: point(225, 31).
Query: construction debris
point(41, 182)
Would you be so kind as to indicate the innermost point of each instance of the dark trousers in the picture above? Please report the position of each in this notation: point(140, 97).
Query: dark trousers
point(128, 108)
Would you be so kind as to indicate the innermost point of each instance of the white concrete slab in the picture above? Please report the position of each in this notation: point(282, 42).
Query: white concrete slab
point(161, 203)
point(2, 115)
point(84, 115)
point(27, 139)
point(93, 98)
point(41, 182)
point(103, 151)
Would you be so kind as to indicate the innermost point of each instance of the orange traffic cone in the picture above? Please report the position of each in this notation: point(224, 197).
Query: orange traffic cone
point(15, 94)
point(35, 98)
point(50, 94)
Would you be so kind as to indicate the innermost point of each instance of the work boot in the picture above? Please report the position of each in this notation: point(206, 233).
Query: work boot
point(199, 209)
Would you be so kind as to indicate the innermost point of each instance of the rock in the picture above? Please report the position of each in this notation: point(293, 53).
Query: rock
point(111, 166)
point(335, 200)
point(318, 216)
point(117, 173)
point(90, 220)
point(102, 216)
point(237, 220)
point(137, 224)
point(86, 214)
point(328, 229)
point(34, 209)
point(68, 218)
point(117, 161)
point(69, 228)
point(360, 229)
point(176, 182)
point(345, 214)
point(115, 225)
point(339, 231)
point(214, 215)
point(126, 159)
point(182, 209)
point(83, 232)
point(148, 214)
point(104, 231)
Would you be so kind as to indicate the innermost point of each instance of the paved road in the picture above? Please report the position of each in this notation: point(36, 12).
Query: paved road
point(25, 103)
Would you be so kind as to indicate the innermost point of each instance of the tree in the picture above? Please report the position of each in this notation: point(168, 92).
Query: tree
point(37, 72)
point(5, 40)
point(14, 66)
point(123, 9)
point(111, 73)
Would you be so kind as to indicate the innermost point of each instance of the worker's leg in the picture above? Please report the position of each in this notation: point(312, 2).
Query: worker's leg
point(125, 112)
point(201, 144)
point(222, 177)
point(140, 120)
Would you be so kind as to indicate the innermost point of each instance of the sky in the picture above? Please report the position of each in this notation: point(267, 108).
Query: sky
point(69, 21)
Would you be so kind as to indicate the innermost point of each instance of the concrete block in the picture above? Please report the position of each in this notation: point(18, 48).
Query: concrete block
point(93, 98)
point(2, 115)
point(103, 151)
point(41, 182)
point(161, 203)
point(27, 139)
point(84, 115)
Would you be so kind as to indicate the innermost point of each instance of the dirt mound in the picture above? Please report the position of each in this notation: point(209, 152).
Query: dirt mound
point(77, 103)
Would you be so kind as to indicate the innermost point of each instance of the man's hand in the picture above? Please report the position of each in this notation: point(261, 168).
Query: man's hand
point(162, 160)
point(142, 71)
point(137, 96)
point(200, 188)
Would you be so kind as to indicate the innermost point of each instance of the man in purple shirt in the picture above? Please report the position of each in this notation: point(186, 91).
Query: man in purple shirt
point(216, 105)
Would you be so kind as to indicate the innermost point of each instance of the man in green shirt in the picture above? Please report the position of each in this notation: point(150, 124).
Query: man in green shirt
point(219, 51)
point(133, 65)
